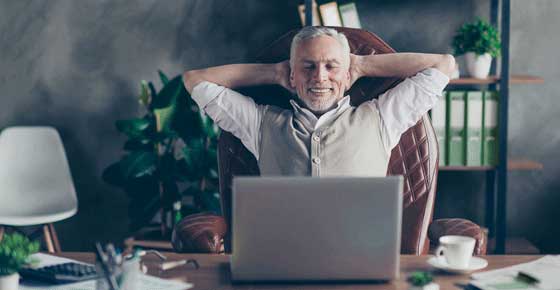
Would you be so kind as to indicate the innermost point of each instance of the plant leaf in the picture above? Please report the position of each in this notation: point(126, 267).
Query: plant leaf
point(145, 96)
point(137, 164)
point(112, 175)
point(153, 94)
point(138, 144)
point(167, 104)
point(165, 115)
point(479, 37)
point(163, 77)
point(15, 250)
point(165, 97)
point(133, 128)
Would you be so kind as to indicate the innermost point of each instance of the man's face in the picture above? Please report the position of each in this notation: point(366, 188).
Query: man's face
point(320, 72)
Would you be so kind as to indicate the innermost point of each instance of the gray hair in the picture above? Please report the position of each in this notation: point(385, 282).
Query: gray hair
point(309, 32)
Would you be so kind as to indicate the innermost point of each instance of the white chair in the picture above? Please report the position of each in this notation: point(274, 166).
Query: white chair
point(36, 187)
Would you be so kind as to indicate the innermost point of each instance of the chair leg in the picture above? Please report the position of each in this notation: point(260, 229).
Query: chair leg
point(48, 239)
point(54, 237)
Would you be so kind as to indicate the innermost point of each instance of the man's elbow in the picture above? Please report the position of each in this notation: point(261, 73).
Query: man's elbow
point(191, 79)
point(446, 65)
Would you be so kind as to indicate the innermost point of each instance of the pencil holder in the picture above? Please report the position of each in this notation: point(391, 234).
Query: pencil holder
point(126, 275)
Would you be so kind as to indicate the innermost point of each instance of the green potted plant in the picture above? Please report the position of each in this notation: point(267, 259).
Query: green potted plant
point(422, 281)
point(15, 250)
point(479, 42)
point(170, 157)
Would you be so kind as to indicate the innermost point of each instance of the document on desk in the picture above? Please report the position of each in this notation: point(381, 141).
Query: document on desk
point(146, 282)
point(45, 260)
point(541, 274)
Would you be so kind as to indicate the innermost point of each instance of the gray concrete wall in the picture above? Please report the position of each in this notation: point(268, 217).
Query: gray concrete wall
point(76, 65)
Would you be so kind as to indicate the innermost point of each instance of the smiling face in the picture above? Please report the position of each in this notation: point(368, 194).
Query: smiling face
point(320, 72)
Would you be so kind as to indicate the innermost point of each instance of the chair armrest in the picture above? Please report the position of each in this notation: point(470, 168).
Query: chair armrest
point(199, 233)
point(461, 227)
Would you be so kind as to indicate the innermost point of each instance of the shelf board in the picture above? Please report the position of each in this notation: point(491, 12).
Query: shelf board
point(131, 243)
point(515, 79)
point(514, 164)
point(515, 246)
point(524, 164)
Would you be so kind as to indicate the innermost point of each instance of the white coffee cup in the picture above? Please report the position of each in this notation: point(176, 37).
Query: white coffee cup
point(457, 250)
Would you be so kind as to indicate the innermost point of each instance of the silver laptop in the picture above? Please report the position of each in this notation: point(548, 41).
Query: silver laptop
point(311, 228)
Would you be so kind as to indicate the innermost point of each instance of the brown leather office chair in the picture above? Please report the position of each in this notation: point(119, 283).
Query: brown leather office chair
point(415, 157)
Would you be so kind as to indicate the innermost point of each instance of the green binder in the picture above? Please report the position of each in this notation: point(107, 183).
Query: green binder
point(438, 114)
point(456, 128)
point(473, 114)
point(490, 129)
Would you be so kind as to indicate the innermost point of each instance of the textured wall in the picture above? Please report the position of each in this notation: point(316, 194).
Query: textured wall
point(534, 122)
point(76, 65)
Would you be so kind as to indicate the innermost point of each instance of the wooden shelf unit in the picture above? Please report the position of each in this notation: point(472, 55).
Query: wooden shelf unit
point(514, 79)
point(496, 176)
point(513, 164)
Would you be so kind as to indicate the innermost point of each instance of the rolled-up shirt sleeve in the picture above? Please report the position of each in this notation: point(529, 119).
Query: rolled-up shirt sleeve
point(402, 106)
point(231, 111)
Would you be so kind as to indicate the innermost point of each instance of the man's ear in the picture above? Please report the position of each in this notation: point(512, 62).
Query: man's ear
point(292, 82)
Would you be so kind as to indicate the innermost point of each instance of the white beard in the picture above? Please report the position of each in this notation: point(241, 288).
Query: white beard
point(320, 106)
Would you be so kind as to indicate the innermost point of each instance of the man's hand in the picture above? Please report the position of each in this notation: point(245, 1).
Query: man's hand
point(446, 65)
point(283, 75)
point(398, 64)
point(355, 69)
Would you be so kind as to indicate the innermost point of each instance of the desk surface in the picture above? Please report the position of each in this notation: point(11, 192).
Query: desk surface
point(214, 272)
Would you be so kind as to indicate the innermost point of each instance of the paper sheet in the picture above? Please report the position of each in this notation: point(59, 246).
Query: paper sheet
point(545, 269)
point(45, 260)
point(146, 282)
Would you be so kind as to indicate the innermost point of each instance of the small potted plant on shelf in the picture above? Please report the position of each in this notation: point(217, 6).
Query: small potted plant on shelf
point(15, 250)
point(479, 42)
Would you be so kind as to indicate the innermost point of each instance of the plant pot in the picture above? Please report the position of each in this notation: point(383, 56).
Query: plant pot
point(9, 282)
point(478, 66)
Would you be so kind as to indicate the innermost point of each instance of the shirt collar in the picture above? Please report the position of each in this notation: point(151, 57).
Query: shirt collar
point(341, 104)
point(307, 116)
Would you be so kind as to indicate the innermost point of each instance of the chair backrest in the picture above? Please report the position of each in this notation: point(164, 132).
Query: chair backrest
point(35, 178)
point(415, 157)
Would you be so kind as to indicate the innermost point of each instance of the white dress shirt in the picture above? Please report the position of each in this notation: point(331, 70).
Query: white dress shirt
point(399, 108)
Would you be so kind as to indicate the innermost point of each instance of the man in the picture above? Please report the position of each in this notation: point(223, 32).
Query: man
point(323, 134)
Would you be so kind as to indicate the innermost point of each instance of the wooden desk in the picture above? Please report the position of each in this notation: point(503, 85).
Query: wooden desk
point(214, 273)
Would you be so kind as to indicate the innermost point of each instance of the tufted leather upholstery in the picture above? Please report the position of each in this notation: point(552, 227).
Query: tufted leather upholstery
point(415, 157)
point(459, 227)
point(199, 233)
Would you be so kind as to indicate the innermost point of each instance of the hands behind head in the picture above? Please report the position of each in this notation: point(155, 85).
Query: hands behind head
point(355, 72)
point(283, 75)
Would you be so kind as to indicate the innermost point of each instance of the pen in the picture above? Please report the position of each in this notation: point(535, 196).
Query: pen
point(101, 256)
point(174, 264)
point(527, 278)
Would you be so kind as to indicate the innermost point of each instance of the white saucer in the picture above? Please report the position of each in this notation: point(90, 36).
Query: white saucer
point(476, 263)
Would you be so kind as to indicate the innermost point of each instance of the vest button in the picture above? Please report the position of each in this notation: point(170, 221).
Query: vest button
point(316, 138)
point(316, 160)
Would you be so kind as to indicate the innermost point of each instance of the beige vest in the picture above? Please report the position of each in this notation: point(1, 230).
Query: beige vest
point(350, 144)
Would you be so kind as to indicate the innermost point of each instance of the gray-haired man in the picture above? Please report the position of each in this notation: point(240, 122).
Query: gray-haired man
point(322, 134)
